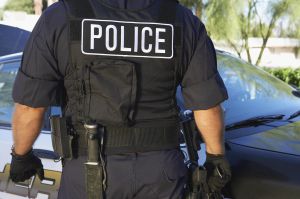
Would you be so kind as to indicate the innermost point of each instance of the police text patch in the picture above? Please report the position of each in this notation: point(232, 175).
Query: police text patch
point(128, 39)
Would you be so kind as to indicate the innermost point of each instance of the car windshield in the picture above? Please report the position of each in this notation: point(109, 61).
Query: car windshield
point(8, 72)
point(253, 92)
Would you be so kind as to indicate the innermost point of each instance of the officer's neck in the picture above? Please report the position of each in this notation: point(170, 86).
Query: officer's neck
point(129, 4)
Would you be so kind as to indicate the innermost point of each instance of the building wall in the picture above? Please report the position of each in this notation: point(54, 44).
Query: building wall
point(22, 19)
point(275, 57)
point(19, 19)
point(280, 52)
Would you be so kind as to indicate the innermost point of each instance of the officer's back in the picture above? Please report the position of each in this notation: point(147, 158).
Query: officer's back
point(117, 64)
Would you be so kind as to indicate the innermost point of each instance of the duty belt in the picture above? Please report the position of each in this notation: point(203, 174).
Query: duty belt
point(132, 139)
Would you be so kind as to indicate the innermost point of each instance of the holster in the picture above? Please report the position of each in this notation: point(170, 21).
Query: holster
point(62, 140)
point(196, 186)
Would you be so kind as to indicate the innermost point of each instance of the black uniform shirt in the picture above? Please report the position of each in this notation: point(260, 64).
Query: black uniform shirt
point(45, 61)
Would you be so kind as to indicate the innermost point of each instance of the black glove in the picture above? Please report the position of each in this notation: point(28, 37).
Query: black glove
point(25, 166)
point(218, 172)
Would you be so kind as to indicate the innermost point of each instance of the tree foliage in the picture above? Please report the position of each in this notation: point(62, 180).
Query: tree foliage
point(250, 23)
point(277, 10)
point(289, 75)
point(235, 21)
point(290, 26)
point(1, 14)
point(20, 5)
point(221, 17)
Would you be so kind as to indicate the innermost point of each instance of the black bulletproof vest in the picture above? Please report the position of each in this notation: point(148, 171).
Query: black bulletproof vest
point(117, 77)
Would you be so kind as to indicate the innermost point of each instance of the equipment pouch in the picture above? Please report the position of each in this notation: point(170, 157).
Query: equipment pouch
point(61, 140)
point(111, 87)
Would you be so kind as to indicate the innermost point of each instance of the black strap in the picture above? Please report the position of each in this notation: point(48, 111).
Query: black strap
point(150, 136)
point(133, 139)
point(77, 10)
point(167, 14)
point(168, 10)
point(75, 30)
point(80, 8)
point(177, 36)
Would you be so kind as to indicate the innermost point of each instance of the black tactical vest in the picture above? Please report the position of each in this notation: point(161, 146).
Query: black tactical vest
point(124, 64)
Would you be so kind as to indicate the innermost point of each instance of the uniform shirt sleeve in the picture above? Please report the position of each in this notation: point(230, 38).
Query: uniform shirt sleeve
point(202, 86)
point(39, 78)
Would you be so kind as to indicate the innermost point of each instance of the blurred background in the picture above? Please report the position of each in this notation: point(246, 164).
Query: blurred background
point(265, 33)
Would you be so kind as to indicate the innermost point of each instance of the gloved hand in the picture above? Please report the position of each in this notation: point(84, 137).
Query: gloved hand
point(25, 166)
point(218, 172)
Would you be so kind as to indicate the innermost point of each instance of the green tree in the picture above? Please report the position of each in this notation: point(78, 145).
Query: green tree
point(20, 5)
point(242, 20)
point(221, 17)
point(1, 14)
point(290, 26)
point(222, 20)
point(235, 21)
point(278, 9)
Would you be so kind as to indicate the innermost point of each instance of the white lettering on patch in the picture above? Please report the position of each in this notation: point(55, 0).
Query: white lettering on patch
point(128, 39)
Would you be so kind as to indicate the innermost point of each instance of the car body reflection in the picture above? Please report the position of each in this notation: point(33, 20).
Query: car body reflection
point(253, 92)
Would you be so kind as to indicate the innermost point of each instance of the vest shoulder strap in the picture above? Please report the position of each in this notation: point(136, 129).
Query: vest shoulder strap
point(167, 12)
point(79, 8)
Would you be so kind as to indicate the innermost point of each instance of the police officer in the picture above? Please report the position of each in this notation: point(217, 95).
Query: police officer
point(118, 63)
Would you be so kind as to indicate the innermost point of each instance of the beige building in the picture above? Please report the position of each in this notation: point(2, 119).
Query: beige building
point(23, 20)
point(279, 52)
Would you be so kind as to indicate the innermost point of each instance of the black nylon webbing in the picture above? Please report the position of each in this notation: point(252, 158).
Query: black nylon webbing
point(150, 136)
point(167, 12)
point(75, 30)
point(177, 35)
point(128, 139)
point(80, 8)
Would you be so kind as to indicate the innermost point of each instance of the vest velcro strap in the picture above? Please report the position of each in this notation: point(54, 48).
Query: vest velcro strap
point(167, 13)
point(129, 140)
point(75, 30)
point(177, 36)
point(80, 8)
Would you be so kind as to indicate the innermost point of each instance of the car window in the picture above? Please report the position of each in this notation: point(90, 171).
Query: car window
point(253, 92)
point(8, 72)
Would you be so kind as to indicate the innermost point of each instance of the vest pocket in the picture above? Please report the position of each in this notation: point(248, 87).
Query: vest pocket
point(110, 88)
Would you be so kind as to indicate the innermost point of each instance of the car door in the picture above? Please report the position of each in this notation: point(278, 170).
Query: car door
point(32, 188)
